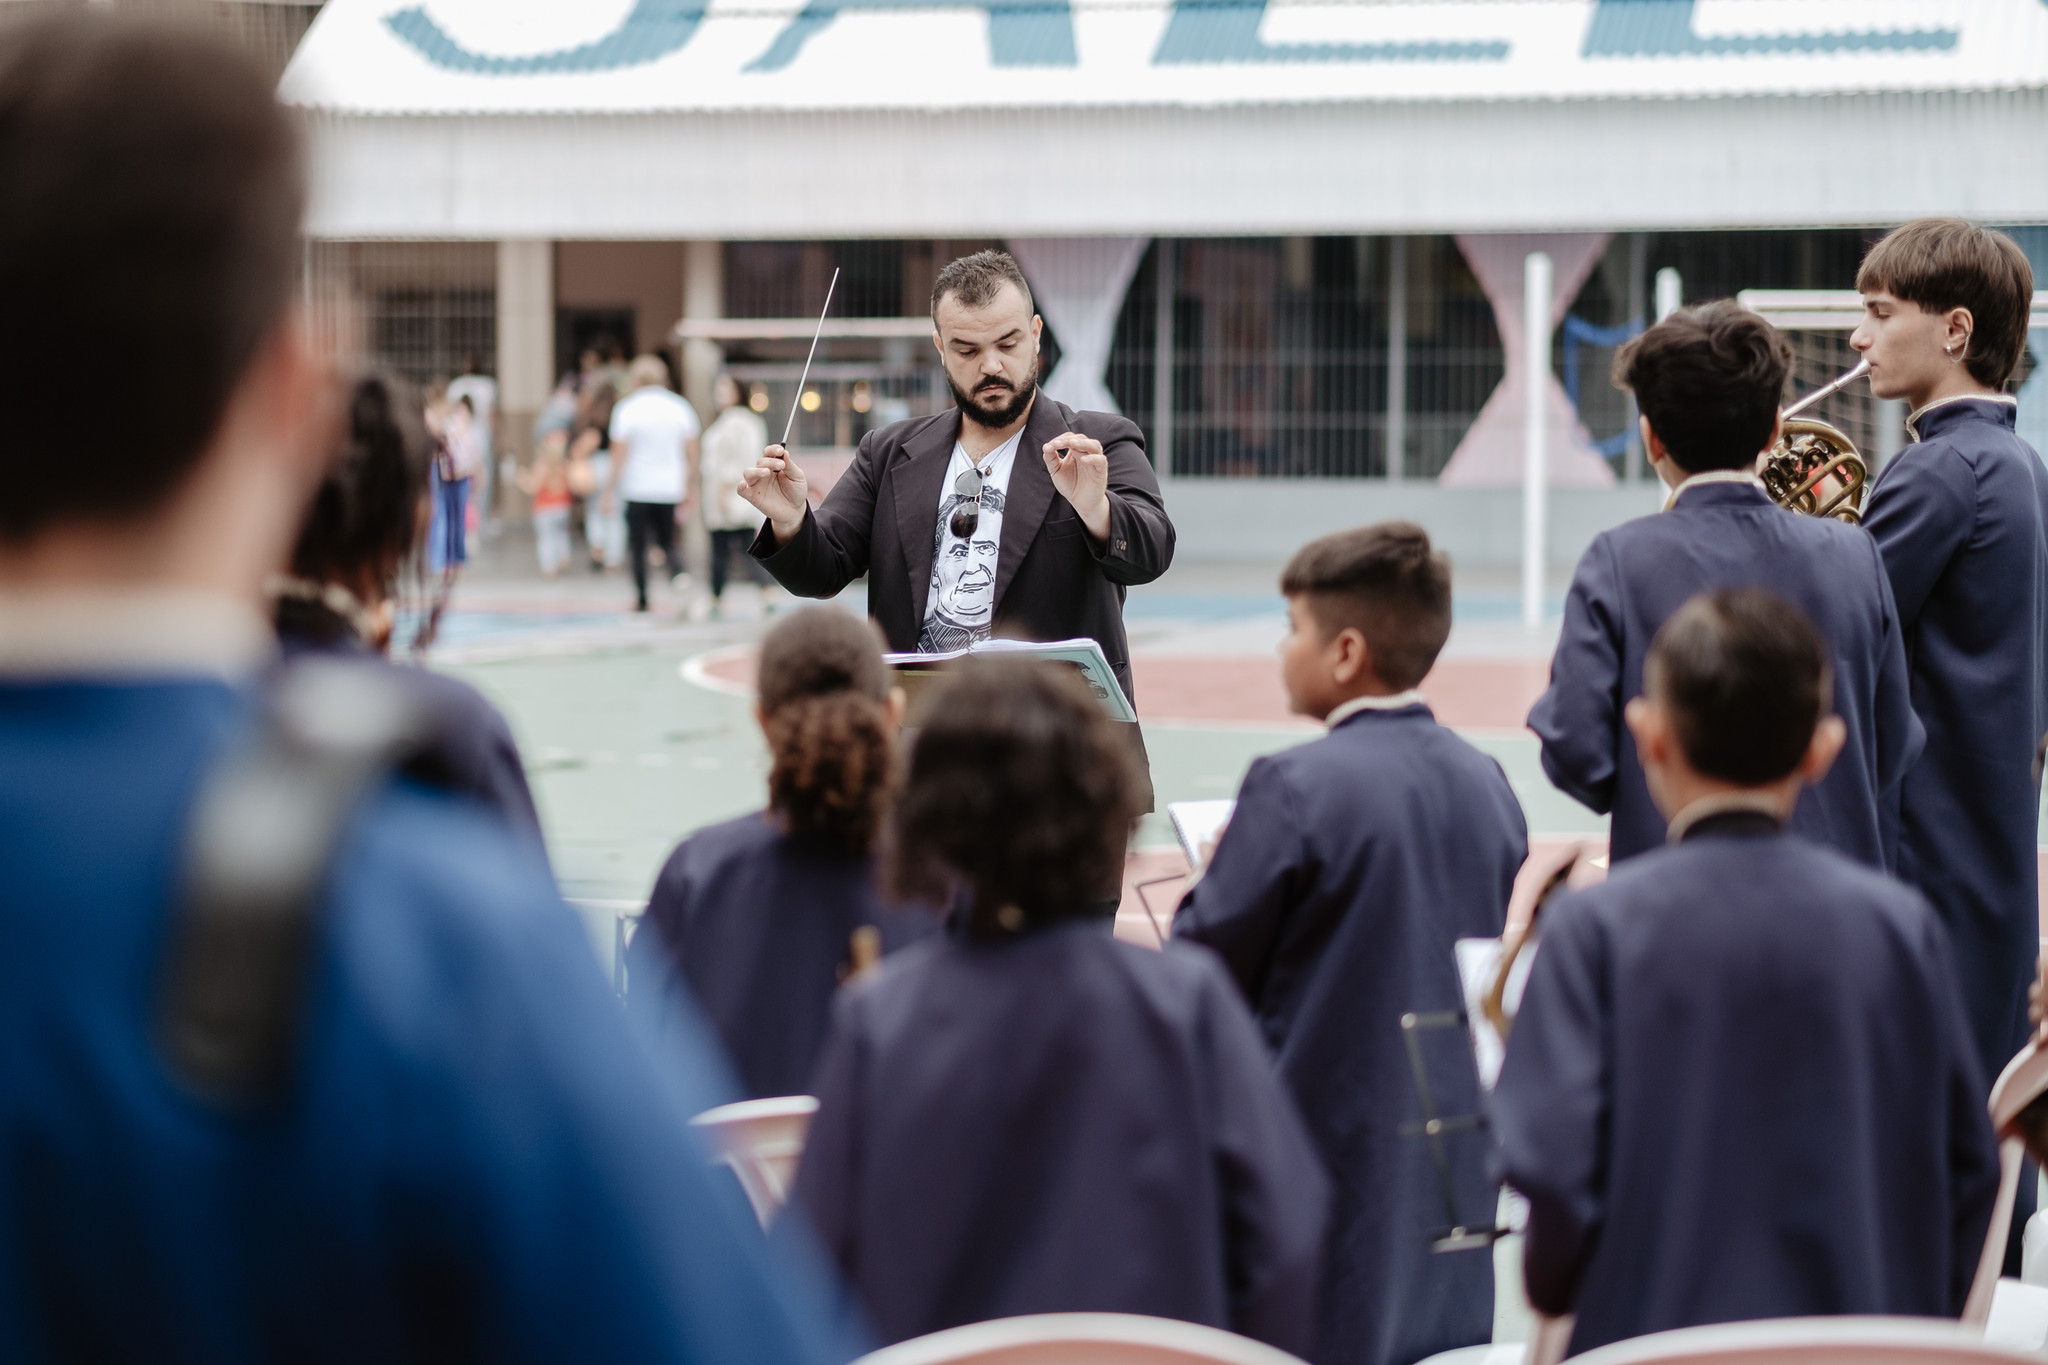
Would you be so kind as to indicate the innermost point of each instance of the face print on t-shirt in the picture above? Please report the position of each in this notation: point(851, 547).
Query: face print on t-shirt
point(963, 587)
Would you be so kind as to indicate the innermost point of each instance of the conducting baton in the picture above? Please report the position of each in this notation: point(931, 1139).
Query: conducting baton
point(795, 402)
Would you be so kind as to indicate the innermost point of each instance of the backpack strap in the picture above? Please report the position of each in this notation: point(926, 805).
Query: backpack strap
point(259, 849)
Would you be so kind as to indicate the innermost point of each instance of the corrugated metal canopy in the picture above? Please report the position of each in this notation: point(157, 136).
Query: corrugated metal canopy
point(851, 117)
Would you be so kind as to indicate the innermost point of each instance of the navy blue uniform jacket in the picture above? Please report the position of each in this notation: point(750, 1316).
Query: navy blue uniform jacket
point(758, 924)
point(472, 753)
point(1351, 866)
point(1740, 1086)
point(1729, 535)
point(1962, 521)
point(1060, 1122)
point(478, 1159)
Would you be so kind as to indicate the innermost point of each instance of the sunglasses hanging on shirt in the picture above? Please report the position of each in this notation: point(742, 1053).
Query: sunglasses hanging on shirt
point(967, 516)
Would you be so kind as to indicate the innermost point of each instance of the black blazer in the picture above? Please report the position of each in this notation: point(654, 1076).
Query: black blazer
point(1053, 582)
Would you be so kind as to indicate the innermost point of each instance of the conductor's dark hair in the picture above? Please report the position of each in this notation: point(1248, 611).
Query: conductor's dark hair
point(364, 518)
point(1710, 379)
point(153, 190)
point(1020, 790)
point(824, 694)
point(1387, 582)
point(1944, 263)
point(976, 280)
point(1745, 678)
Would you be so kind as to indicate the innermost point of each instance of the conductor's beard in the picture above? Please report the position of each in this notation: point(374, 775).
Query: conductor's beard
point(995, 403)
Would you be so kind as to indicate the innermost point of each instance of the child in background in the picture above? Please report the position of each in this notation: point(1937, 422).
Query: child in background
point(1740, 1083)
point(547, 483)
point(761, 916)
point(1029, 1116)
point(1348, 870)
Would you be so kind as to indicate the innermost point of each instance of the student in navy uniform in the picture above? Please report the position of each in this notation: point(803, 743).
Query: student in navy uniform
point(339, 594)
point(473, 1155)
point(1708, 381)
point(1740, 1084)
point(1961, 519)
point(1348, 870)
point(760, 915)
point(1027, 1115)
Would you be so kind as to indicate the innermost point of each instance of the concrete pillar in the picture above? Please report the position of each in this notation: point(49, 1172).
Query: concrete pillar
point(526, 337)
point(703, 300)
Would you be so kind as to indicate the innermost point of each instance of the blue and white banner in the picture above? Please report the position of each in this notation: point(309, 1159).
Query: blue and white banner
point(667, 56)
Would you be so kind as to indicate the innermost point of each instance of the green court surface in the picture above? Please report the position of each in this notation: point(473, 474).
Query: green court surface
point(626, 758)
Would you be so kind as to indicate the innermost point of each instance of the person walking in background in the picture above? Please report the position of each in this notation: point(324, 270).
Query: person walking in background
point(732, 443)
point(590, 472)
point(765, 915)
point(547, 483)
point(654, 466)
point(480, 391)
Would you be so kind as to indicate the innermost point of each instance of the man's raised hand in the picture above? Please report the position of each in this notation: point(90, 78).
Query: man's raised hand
point(1080, 472)
point(778, 488)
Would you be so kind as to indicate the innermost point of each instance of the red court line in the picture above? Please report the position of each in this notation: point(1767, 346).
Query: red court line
point(1480, 693)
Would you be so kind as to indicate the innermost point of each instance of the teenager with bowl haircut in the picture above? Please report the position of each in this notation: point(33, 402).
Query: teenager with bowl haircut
point(1027, 1115)
point(1960, 517)
point(1350, 867)
point(1740, 1083)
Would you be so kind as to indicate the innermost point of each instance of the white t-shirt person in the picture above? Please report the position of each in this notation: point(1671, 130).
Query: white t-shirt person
point(654, 423)
point(961, 607)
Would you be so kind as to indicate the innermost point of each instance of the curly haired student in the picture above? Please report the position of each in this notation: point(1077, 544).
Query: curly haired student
point(760, 915)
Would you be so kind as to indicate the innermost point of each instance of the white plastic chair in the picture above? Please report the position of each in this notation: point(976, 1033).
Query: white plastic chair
point(2023, 1081)
point(1812, 1341)
point(1080, 1339)
point(761, 1141)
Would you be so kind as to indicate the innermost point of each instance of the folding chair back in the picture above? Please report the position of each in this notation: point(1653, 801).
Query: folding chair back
point(1811, 1341)
point(761, 1141)
point(1080, 1339)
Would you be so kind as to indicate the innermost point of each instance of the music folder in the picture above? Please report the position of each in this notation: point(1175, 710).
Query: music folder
point(915, 671)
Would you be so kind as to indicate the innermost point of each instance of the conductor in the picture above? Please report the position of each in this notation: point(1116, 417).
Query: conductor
point(1016, 517)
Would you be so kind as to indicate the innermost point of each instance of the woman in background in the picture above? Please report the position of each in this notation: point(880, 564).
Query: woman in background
point(762, 917)
point(362, 528)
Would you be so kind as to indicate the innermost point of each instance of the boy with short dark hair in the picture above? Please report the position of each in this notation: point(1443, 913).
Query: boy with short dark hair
point(1350, 867)
point(1708, 381)
point(1740, 1084)
point(1961, 519)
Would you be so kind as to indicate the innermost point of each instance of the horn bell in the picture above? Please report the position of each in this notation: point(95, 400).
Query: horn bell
point(1816, 471)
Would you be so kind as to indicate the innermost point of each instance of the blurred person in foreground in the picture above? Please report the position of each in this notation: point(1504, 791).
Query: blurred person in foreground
point(732, 443)
point(339, 596)
point(471, 1155)
point(1741, 1083)
point(1349, 869)
point(765, 915)
point(1027, 1115)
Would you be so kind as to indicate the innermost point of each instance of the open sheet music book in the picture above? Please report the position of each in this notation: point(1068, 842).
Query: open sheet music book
point(1197, 823)
point(1084, 656)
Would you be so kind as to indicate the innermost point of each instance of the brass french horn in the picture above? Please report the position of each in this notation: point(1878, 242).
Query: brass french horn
point(1814, 469)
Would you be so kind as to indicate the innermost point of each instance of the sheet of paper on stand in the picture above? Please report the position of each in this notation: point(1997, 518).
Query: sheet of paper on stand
point(1199, 824)
point(1478, 964)
point(1085, 656)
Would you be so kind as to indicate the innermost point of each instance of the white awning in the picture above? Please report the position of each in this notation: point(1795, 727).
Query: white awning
point(625, 118)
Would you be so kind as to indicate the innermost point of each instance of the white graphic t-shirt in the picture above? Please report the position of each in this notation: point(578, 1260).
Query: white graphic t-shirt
point(962, 603)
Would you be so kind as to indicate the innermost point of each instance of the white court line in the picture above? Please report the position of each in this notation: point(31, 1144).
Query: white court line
point(696, 670)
